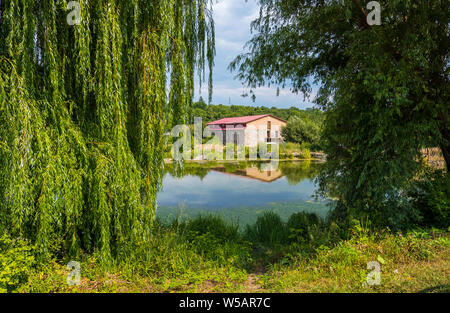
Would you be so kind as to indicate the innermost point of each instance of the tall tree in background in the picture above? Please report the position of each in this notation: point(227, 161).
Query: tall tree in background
point(82, 113)
point(303, 130)
point(385, 87)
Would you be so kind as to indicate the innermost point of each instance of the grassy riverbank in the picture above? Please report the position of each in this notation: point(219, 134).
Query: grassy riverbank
point(286, 151)
point(206, 254)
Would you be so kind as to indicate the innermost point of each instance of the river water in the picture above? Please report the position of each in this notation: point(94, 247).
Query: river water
point(240, 191)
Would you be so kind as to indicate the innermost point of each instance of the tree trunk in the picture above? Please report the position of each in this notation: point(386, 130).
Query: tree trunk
point(445, 134)
point(446, 153)
point(445, 144)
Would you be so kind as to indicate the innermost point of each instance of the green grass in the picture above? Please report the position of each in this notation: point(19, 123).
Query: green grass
point(242, 215)
point(287, 151)
point(206, 254)
point(411, 264)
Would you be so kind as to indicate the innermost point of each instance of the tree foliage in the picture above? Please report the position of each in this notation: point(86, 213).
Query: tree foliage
point(300, 130)
point(213, 112)
point(82, 113)
point(385, 87)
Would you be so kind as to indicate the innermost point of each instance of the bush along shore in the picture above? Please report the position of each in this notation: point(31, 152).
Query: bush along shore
point(286, 151)
point(206, 254)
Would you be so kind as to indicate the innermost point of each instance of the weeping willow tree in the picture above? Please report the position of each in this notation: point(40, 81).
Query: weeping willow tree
point(83, 109)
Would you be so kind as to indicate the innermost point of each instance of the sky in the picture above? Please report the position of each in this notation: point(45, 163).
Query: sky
point(232, 21)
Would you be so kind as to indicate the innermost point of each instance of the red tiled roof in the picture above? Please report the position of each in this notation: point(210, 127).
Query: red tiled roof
point(238, 120)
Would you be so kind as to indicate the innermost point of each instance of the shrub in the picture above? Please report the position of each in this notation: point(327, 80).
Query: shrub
point(16, 258)
point(269, 229)
point(306, 154)
point(433, 199)
point(299, 225)
point(214, 239)
point(214, 225)
point(302, 130)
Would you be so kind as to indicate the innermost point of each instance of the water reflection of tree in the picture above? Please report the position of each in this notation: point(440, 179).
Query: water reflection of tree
point(296, 172)
point(182, 170)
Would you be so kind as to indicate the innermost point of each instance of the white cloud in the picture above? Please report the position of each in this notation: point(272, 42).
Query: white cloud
point(232, 20)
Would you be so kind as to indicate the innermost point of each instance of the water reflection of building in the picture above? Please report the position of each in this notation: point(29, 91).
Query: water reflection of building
point(252, 173)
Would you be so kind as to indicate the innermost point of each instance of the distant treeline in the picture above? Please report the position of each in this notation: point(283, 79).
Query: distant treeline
point(304, 126)
point(213, 112)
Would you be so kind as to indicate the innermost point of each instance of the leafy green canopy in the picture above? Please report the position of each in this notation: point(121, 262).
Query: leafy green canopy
point(213, 112)
point(301, 130)
point(385, 87)
point(82, 113)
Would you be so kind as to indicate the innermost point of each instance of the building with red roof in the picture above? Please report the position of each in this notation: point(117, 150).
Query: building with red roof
point(248, 130)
